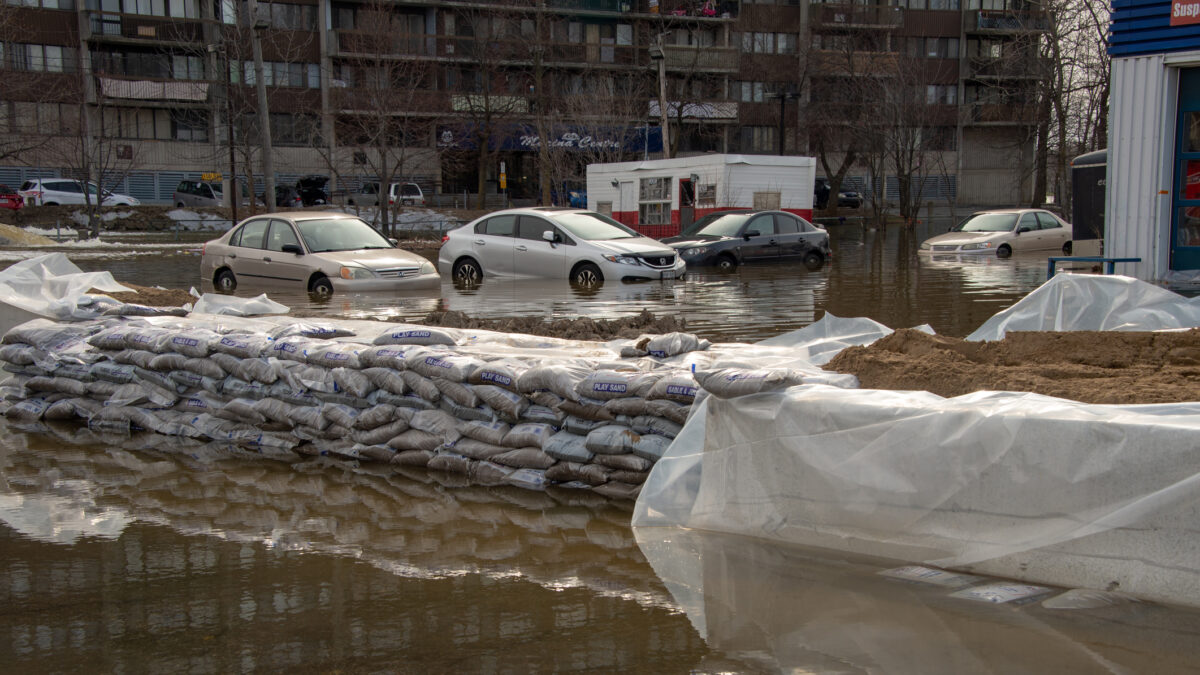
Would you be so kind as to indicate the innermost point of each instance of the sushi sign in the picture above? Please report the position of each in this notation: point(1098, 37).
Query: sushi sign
point(1185, 12)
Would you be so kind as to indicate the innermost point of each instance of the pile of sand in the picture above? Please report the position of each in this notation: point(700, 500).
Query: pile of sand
point(1092, 367)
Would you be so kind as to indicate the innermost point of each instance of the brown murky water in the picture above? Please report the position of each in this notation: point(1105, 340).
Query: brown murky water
point(119, 556)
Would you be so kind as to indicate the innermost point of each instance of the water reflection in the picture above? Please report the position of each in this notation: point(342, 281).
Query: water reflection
point(226, 565)
point(797, 610)
point(875, 273)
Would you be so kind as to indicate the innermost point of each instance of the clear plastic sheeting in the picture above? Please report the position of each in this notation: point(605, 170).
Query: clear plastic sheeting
point(1093, 302)
point(52, 286)
point(1018, 485)
point(229, 305)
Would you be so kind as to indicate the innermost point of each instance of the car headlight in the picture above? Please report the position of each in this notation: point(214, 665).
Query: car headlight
point(925, 246)
point(353, 272)
point(622, 259)
point(979, 245)
point(427, 268)
point(693, 252)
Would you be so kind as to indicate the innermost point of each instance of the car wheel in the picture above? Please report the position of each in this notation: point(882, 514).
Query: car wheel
point(1067, 248)
point(467, 271)
point(587, 275)
point(224, 281)
point(813, 260)
point(1004, 251)
point(49, 203)
point(179, 205)
point(321, 286)
point(726, 263)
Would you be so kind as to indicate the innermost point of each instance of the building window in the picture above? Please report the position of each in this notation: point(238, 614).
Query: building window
point(277, 74)
point(758, 139)
point(936, 94)
point(189, 125)
point(769, 43)
point(40, 58)
point(654, 201)
point(187, 67)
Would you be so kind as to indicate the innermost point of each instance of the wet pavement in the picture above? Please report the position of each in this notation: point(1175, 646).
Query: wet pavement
point(118, 557)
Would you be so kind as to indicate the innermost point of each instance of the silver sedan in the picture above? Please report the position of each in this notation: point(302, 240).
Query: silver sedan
point(318, 252)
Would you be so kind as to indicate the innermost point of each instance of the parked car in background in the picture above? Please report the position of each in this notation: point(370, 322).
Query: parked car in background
point(726, 239)
point(407, 194)
point(10, 198)
point(319, 251)
point(850, 199)
point(552, 242)
point(312, 190)
point(197, 193)
point(55, 191)
point(1000, 232)
point(286, 196)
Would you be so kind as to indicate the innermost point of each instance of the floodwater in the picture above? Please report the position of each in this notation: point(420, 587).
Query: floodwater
point(118, 557)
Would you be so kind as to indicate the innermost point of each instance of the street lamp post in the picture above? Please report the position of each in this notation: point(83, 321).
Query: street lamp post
point(264, 113)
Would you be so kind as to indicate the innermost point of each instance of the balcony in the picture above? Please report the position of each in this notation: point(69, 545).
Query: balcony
point(1013, 68)
point(713, 111)
point(854, 15)
point(711, 59)
point(696, 9)
point(153, 90)
point(621, 6)
point(1005, 22)
point(137, 28)
point(375, 43)
point(999, 114)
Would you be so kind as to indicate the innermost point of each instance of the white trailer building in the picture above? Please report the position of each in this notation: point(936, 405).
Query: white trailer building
point(1153, 179)
point(658, 197)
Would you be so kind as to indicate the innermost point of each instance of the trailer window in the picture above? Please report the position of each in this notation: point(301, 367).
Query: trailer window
point(654, 201)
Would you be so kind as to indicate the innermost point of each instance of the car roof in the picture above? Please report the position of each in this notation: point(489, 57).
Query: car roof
point(1018, 209)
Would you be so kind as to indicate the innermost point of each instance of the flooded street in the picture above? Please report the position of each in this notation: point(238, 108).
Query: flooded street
point(116, 556)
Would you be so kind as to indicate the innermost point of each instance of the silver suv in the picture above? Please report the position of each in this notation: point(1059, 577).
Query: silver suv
point(55, 191)
point(197, 193)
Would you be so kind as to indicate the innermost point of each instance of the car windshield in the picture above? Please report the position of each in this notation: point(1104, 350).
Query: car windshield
point(724, 225)
point(322, 235)
point(988, 222)
point(593, 226)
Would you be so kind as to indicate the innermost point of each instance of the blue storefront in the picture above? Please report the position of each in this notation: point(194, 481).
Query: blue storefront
point(1153, 201)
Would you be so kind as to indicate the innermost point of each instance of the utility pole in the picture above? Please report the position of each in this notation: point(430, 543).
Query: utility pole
point(264, 111)
point(658, 54)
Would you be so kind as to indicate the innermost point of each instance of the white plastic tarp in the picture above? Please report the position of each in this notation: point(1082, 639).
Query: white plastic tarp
point(1010, 484)
point(54, 287)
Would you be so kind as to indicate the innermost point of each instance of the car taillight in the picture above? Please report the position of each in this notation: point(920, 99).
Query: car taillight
point(203, 248)
point(445, 238)
point(391, 202)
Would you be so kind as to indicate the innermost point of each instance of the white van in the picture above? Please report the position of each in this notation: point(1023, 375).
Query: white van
point(408, 194)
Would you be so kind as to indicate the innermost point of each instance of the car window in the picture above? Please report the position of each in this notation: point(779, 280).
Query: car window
point(988, 222)
point(64, 186)
point(27, 185)
point(280, 234)
point(410, 190)
point(252, 234)
point(498, 226)
point(764, 224)
point(1048, 222)
point(370, 189)
point(532, 227)
point(786, 224)
point(339, 234)
point(719, 225)
point(1028, 220)
point(593, 226)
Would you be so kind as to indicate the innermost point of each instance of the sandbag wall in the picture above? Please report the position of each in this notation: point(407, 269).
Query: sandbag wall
point(408, 396)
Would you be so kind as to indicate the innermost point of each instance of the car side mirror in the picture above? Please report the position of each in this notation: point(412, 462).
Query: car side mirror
point(292, 248)
point(750, 233)
point(551, 236)
point(394, 241)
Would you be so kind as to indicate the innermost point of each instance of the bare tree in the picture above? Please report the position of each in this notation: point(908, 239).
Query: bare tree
point(376, 110)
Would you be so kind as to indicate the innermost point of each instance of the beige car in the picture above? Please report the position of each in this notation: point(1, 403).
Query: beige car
point(1003, 231)
point(320, 252)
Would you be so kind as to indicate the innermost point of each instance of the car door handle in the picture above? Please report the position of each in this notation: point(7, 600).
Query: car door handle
point(232, 255)
point(772, 242)
point(522, 247)
point(479, 242)
point(265, 259)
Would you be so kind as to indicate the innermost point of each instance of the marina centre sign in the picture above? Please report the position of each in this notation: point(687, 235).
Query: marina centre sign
point(520, 137)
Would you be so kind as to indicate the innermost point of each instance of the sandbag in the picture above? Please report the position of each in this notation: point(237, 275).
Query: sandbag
point(568, 447)
point(412, 458)
point(488, 432)
point(381, 434)
point(587, 409)
point(334, 355)
point(648, 424)
point(450, 462)
point(611, 440)
point(560, 378)
point(375, 416)
point(421, 386)
point(680, 388)
point(504, 373)
point(525, 458)
point(476, 449)
point(243, 345)
point(387, 379)
point(480, 412)
point(415, 439)
point(436, 422)
point(502, 401)
point(528, 434)
point(458, 392)
point(414, 336)
point(385, 356)
point(453, 367)
point(540, 414)
point(626, 462)
point(732, 382)
point(670, 410)
point(591, 474)
point(618, 490)
point(352, 381)
point(312, 329)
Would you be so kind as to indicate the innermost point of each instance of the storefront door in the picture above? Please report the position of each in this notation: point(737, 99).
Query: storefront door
point(1185, 222)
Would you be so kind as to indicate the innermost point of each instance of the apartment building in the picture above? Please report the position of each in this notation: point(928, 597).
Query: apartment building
point(517, 97)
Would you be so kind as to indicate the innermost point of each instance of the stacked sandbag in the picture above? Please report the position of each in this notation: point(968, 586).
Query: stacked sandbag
point(409, 397)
